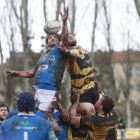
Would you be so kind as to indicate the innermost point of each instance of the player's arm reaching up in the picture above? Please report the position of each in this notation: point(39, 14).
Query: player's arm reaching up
point(64, 113)
point(65, 35)
point(75, 120)
point(24, 74)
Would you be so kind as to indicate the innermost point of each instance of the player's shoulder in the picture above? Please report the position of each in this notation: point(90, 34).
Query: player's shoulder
point(41, 120)
point(8, 122)
point(41, 115)
point(56, 114)
point(114, 113)
point(13, 112)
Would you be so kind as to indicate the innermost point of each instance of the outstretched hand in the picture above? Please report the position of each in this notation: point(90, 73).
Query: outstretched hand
point(59, 97)
point(63, 48)
point(12, 73)
point(65, 16)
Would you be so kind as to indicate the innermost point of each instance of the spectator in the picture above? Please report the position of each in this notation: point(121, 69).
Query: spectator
point(4, 110)
point(122, 128)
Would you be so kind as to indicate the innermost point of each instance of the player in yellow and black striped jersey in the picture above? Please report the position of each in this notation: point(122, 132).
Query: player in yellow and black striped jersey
point(82, 76)
point(102, 126)
point(77, 133)
point(81, 72)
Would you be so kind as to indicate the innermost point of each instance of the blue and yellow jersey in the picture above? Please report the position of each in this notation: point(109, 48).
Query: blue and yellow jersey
point(50, 68)
point(81, 72)
point(27, 126)
point(104, 125)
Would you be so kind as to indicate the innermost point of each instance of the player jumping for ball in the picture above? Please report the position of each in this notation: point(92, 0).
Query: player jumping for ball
point(49, 70)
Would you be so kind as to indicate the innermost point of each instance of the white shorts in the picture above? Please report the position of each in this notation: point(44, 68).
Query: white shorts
point(46, 100)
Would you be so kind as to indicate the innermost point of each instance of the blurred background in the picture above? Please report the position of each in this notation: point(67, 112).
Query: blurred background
point(108, 29)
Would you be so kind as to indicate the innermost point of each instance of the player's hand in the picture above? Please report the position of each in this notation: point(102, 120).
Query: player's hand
point(12, 73)
point(98, 86)
point(55, 125)
point(94, 69)
point(65, 16)
point(63, 48)
point(59, 97)
point(76, 97)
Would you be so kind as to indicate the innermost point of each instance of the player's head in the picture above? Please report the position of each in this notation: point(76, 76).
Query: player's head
point(71, 41)
point(52, 39)
point(26, 102)
point(4, 110)
point(107, 103)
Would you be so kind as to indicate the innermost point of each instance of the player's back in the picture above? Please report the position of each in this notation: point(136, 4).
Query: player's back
point(81, 72)
point(27, 127)
point(104, 126)
point(15, 112)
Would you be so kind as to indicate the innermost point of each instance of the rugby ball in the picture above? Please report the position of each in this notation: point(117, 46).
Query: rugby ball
point(52, 26)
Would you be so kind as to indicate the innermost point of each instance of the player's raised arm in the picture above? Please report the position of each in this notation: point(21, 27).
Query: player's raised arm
point(24, 74)
point(65, 35)
point(75, 120)
point(63, 112)
point(56, 127)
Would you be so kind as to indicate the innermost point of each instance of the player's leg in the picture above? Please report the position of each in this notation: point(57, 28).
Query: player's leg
point(87, 101)
point(86, 109)
point(47, 100)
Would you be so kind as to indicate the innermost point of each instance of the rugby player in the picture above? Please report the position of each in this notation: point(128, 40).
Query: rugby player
point(102, 125)
point(26, 124)
point(48, 71)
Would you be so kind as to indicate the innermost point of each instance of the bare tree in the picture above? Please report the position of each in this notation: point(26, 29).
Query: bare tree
point(44, 10)
point(9, 86)
point(93, 30)
point(20, 9)
point(108, 39)
point(137, 4)
point(2, 72)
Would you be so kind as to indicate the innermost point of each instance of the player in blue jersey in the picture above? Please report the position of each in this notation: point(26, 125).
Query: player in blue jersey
point(49, 70)
point(42, 115)
point(63, 119)
point(27, 125)
point(15, 112)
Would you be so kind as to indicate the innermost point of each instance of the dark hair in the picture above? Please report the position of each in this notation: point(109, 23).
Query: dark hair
point(4, 105)
point(59, 38)
point(107, 103)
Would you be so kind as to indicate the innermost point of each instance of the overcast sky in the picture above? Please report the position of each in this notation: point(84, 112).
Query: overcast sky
point(121, 20)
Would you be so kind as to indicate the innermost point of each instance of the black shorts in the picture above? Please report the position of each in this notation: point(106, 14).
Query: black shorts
point(91, 96)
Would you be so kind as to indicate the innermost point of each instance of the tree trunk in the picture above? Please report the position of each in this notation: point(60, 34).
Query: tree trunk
point(93, 31)
point(59, 2)
point(25, 41)
point(137, 4)
point(44, 10)
point(2, 72)
point(128, 112)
